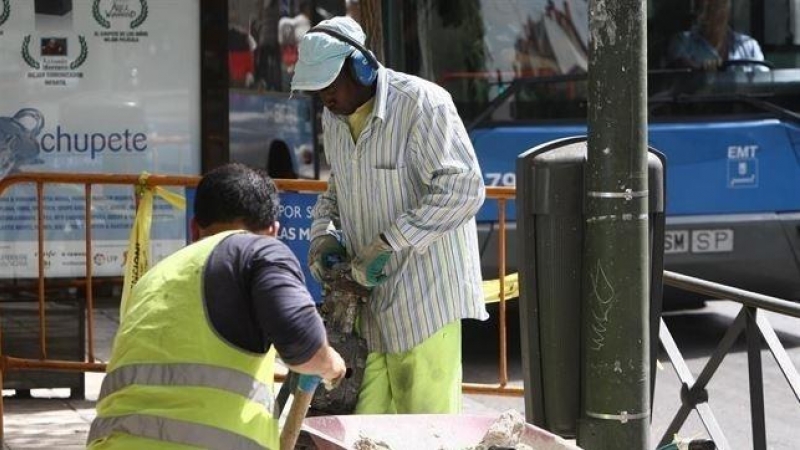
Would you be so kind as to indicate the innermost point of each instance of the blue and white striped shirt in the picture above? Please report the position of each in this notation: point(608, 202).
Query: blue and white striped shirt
point(413, 176)
point(690, 47)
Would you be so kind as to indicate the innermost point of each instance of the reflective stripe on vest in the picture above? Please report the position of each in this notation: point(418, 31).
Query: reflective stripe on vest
point(171, 430)
point(187, 374)
point(178, 431)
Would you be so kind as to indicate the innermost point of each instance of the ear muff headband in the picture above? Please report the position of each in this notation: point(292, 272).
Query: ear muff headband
point(347, 39)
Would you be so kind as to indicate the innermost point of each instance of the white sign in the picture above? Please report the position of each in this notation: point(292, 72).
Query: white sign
point(698, 241)
point(21, 259)
point(500, 178)
point(712, 241)
point(676, 241)
point(100, 86)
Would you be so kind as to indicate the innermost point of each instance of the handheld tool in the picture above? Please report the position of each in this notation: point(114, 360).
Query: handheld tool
point(343, 297)
point(339, 311)
point(306, 385)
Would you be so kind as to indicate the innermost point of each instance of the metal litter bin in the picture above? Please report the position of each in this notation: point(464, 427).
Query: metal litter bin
point(550, 217)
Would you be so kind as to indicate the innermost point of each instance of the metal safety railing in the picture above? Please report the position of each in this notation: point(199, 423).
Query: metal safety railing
point(91, 181)
point(502, 195)
point(693, 392)
point(752, 322)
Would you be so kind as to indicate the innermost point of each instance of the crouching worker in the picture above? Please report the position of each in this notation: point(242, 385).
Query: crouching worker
point(192, 363)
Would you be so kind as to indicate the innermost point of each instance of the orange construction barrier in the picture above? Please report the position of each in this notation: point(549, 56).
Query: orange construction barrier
point(139, 184)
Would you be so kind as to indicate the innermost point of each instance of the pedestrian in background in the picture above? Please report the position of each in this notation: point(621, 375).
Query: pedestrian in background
point(404, 189)
point(192, 361)
point(711, 41)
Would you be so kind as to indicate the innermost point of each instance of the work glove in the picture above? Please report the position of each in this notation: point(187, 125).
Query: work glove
point(323, 253)
point(367, 267)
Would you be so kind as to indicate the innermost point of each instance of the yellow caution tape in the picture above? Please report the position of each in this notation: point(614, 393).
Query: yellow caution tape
point(491, 289)
point(137, 257)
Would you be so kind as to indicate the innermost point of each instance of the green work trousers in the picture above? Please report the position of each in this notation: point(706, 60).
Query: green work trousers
point(423, 380)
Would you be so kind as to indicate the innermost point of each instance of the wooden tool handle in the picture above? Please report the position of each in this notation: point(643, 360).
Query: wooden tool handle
point(294, 419)
point(297, 413)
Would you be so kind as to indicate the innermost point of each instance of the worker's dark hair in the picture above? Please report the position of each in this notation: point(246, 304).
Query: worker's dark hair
point(236, 192)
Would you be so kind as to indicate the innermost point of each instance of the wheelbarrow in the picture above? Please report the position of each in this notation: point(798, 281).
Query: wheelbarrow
point(417, 432)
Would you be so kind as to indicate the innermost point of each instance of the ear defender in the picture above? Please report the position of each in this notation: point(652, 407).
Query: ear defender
point(363, 62)
point(363, 70)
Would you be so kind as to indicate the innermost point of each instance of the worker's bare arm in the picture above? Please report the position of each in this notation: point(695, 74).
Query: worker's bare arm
point(325, 362)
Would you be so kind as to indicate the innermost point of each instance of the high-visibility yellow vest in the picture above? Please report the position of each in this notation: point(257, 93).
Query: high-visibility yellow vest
point(172, 382)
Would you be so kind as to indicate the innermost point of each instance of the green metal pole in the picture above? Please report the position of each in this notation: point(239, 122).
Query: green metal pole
point(615, 310)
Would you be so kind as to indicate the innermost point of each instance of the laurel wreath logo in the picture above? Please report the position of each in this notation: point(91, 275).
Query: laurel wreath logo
point(105, 23)
point(98, 16)
point(26, 54)
point(6, 11)
point(81, 56)
point(34, 64)
point(139, 20)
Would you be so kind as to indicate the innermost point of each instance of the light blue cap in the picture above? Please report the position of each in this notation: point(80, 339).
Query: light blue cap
point(321, 56)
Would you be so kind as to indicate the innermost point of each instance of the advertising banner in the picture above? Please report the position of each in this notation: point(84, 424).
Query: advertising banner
point(94, 86)
point(295, 219)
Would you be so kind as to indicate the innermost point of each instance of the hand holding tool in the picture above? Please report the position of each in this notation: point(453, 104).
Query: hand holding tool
point(321, 250)
point(369, 263)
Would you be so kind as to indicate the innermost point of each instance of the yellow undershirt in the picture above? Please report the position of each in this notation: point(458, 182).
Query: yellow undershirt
point(358, 120)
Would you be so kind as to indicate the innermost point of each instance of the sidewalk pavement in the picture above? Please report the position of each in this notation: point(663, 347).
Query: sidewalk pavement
point(62, 423)
point(53, 421)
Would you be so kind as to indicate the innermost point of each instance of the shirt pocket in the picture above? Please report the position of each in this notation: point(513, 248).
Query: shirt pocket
point(389, 191)
point(388, 156)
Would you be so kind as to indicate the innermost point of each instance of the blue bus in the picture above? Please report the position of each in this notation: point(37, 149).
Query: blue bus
point(517, 70)
point(730, 128)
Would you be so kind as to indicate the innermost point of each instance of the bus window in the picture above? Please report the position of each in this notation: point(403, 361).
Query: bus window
point(755, 75)
point(730, 131)
point(494, 43)
point(526, 60)
point(710, 42)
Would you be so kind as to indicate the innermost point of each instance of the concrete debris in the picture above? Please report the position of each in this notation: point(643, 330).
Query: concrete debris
point(367, 443)
point(505, 432)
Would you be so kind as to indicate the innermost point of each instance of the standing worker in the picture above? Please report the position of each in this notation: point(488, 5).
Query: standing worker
point(192, 363)
point(404, 190)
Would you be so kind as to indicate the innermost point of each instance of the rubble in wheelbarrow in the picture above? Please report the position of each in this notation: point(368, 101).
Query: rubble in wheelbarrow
point(367, 443)
point(505, 432)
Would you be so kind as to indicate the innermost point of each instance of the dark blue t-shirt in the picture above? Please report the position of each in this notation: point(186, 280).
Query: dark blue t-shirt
point(255, 297)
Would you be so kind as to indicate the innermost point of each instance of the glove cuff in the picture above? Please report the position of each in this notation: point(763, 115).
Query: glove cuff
point(395, 240)
point(385, 241)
